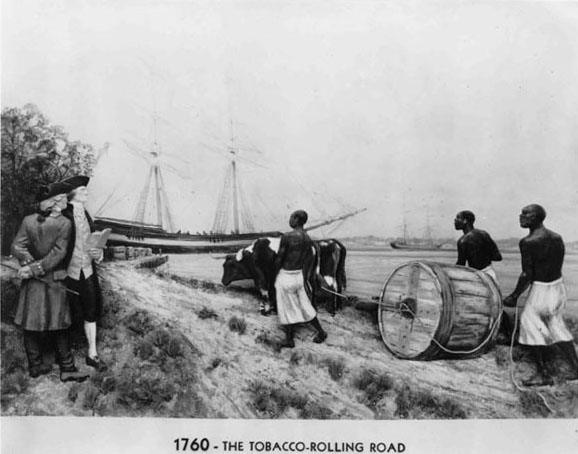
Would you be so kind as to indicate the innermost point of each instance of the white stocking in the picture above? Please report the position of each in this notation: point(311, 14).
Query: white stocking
point(90, 331)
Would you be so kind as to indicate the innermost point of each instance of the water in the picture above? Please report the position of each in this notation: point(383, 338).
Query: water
point(367, 271)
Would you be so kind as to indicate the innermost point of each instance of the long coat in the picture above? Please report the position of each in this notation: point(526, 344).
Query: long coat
point(43, 306)
point(69, 214)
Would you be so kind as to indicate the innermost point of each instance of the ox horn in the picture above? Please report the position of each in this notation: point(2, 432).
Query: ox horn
point(217, 257)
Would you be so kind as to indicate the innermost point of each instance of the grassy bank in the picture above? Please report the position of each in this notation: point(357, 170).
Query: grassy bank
point(152, 367)
point(180, 347)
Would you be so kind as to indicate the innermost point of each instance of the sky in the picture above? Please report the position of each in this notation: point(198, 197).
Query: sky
point(414, 110)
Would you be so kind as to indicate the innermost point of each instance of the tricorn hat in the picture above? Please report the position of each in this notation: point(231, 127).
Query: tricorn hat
point(49, 191)
point(77, 181)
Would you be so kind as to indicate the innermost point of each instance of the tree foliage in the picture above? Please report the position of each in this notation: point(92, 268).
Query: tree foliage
point(34, 152)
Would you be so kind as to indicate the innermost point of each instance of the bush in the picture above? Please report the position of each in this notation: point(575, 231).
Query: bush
point(532, 404)
point(374, 385)
point(266, 339)
point(237, 324)
point(105, 381)
point(206, 313)
point(274, 400)
point(142, 389)
point(418, 403)
point(15, 383)
point(313, 410)
point(336, 368)
point(91, 395)
point(139, 321)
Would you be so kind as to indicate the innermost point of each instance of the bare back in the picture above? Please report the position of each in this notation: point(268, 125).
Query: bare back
point(477, 249)
point(293, 250)
point(542, 255)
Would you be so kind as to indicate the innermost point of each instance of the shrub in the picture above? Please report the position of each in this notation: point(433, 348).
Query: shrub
point(266, 339)
point(141, 389)
point(145, 350)
point(174, 347)
point(206, 313)
point(105, 381)
point(274, 400)
point(336, 368)
point(139, 321)
point(13, 360)
point(374, 385)
point(412, 403)
point(15, 383)
point(313, 410)
point(532, 404)
point(237, 324)
point(91, 395)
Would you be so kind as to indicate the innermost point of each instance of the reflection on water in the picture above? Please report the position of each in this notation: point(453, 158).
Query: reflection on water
point(367, 271)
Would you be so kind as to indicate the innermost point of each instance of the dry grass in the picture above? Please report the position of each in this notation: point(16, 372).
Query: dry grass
point(423, 404)
point(374, 385)
point(267, 339)
point(237, 324)
point(272, 400)
point(532, 405)
point(206, 313)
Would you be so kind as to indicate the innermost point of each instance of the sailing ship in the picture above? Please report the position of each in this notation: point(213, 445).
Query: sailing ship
point(426, 243)
point(233, 226)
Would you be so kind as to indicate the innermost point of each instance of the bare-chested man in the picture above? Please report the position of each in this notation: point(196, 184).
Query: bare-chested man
point(475, 247)
point(541, 323)
point(293, 304)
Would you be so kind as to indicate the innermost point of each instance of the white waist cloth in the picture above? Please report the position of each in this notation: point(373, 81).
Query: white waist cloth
point(293, 305)
point(541, 322)
point(489, 270)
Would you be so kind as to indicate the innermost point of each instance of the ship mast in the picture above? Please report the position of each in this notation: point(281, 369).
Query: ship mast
point(231, 199)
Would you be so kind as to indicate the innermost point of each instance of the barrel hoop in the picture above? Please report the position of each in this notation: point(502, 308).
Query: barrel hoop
point(443, 332)
point(380, 310)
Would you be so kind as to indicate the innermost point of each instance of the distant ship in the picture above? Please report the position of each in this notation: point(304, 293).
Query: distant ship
point(426, 243)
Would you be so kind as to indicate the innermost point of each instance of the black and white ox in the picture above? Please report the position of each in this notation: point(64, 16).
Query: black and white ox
point(324, 272)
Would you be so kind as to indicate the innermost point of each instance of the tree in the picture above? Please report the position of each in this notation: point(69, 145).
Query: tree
point(34, 153)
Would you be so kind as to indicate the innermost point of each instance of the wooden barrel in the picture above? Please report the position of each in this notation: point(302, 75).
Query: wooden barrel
point(431, 310)
point(119, 252)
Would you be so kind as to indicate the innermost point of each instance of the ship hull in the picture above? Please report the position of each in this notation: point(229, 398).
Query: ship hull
point(415, 247)
point(125, 233)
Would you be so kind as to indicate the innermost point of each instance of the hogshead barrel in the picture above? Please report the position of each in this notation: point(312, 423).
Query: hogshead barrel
point(430, 310)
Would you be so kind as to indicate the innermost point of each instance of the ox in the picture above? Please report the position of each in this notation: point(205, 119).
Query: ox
point(323, 274)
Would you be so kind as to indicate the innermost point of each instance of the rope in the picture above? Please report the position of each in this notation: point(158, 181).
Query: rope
point(463, 352)
point(523, 389)
point(440, 346)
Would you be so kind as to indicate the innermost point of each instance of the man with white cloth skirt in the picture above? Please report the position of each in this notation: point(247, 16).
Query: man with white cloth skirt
point(541, 323)
point(296, 252)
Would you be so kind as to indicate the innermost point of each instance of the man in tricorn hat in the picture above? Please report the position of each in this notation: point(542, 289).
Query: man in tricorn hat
point(541, 323)
point(80, 263)
point(40, 247)
point(293, 304)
